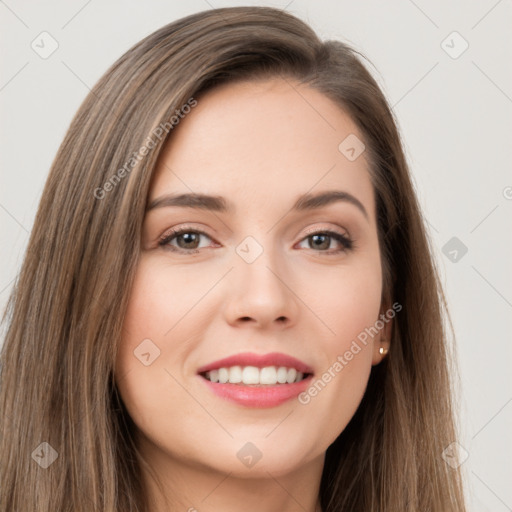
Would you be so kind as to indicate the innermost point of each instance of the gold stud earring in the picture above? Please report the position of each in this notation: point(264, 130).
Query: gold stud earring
point(383, 351)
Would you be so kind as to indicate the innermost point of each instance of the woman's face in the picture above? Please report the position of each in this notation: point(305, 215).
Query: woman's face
point(253, 272)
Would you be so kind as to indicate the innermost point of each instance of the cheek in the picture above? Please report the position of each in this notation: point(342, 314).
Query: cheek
point(354, 314)
point(349, 306)
point(356, 307)
point(155, 341)
point(152, 318)
point(347, 301)
point(159, 303)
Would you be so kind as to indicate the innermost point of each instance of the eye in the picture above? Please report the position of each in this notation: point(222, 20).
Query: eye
point(322, 240)
point(187, 240)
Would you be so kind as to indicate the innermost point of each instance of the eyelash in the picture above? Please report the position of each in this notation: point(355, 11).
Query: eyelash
point(347, 243)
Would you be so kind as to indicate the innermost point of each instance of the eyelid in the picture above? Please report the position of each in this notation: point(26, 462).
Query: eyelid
point(308, 231)
point(339, 231)
point(180, 228)
point(342, 236)
point(176, 231)
point(330, 231)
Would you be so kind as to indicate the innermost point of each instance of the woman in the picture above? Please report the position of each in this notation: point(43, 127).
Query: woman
point(228, 296)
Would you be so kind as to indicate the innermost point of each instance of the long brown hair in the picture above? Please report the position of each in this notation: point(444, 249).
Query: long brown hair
point(66, 309)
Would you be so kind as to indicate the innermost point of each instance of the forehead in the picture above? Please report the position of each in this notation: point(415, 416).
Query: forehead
point(262, 143)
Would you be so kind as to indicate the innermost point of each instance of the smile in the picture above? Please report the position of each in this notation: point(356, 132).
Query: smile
point(252, 375)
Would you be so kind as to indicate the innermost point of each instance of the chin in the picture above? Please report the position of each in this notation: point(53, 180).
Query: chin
point(260, 456)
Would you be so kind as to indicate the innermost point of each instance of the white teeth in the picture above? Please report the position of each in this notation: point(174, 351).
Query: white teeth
point(282, 374)
point(235, 374)
point(223, 375)
point(251, 375)
point(269, 375)
point(292, 374)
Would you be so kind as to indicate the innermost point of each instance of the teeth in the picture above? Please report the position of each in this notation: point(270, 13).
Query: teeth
point(235, 374)
point(269, 375)
point(251, 375)
point(282, 374)
point(223, 375)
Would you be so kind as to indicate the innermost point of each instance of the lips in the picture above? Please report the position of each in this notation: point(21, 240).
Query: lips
point(259, 361)
point(257, 390)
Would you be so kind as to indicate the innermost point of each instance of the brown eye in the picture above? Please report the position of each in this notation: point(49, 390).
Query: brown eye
point(186, 240)
point(190, 240)
point(322, 240)
point(319, 241)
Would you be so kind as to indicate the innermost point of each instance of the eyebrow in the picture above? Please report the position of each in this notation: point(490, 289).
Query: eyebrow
point(305, 202)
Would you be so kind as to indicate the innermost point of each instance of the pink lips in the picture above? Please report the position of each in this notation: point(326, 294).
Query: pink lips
point(260, 361)
point(258, 396)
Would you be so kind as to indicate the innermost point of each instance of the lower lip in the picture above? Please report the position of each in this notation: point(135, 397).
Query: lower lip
point(258, 396)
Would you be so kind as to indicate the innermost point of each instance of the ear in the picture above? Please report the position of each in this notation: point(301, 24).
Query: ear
point(382, 341)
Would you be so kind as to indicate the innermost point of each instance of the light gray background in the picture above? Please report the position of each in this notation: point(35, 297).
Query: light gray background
point(454, 115)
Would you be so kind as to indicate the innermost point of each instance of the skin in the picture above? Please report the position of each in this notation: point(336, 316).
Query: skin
point(260, 145)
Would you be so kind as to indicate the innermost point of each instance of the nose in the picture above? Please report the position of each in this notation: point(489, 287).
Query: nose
point(261, 294)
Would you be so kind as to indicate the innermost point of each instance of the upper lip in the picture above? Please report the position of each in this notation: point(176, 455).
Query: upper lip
point(258, 360)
